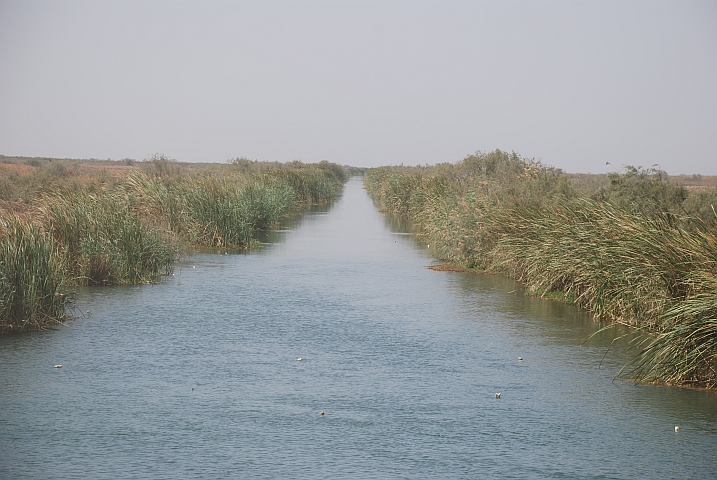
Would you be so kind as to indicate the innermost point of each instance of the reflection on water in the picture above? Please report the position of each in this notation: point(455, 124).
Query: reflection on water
point(398, 224)
point(279, 235)
point(404, 361)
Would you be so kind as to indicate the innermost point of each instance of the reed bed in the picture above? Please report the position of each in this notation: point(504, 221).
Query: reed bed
point(102, 240)
point(632, 256)
point(31, 277)
point(131, 229)
point(227, 211)
point(215, 212)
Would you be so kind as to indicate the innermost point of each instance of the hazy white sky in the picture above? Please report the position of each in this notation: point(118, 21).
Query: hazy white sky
point(366, 83)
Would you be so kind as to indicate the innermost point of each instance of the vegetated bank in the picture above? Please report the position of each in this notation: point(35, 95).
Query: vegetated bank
point(66, 223)
point(632, 248)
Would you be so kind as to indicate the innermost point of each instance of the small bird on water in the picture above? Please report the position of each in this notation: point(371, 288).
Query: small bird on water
point(58, 366)
point(677, 429)
point(321, 412)
point(299, 359)
point(497, 395)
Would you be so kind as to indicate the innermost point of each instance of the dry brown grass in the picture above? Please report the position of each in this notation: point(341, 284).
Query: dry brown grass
point(695, 182)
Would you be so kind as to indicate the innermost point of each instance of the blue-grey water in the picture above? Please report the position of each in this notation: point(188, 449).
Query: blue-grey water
point(198, 377)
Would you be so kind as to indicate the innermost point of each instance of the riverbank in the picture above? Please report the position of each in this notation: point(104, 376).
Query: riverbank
point(405, 362)
point(76, 224)
point(639, 251)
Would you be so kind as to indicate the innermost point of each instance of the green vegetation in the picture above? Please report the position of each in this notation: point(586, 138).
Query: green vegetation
point(215, 212)
point(634, 249)
point(102, 239)
point(108, 223)
point(31, 277)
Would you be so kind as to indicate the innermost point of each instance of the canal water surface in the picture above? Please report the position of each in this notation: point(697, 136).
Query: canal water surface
point(199, 377)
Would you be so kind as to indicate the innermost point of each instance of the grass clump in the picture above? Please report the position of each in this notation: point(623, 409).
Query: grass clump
point(31, 277)
point(102, 240)
point(631, 251)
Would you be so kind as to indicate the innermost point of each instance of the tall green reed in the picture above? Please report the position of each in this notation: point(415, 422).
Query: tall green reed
point(102, 240)
point(31, 279)
point(226, 211)
point(211, 211)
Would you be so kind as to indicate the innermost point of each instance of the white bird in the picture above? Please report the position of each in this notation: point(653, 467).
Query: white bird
point(497, 395)
point(677, 429)
point(321, 412)
point(299, 359)
point(58, 366)
point(520, 358)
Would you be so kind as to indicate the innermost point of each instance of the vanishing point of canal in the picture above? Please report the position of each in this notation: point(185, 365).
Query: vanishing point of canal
point(198, 377)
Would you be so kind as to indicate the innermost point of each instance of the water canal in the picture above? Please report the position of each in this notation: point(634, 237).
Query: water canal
point(197, 377)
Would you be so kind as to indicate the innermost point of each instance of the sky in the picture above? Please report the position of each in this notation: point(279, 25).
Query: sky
point(574, 84)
